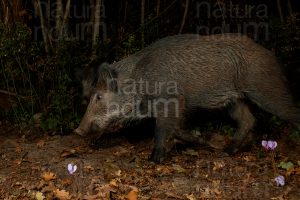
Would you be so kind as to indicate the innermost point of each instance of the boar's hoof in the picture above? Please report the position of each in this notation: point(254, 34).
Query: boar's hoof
point(230, 150)
point(157, 155)
point(79, 132)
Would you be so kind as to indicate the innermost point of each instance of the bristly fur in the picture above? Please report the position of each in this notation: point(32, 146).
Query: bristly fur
point(107, 78)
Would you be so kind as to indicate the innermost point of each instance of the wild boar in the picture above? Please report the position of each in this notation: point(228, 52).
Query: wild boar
point(180, 74)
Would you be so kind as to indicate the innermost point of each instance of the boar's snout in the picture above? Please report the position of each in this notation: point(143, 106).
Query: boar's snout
point(80, 132)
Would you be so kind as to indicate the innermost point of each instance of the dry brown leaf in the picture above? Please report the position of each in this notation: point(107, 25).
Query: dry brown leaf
point(217, 191)
point(88, 168)
point(206, 193)
point(91, 197)
point(66, 182)
point(18, 149)
point(40, 143)
point(178, 168)
point(218, 165)
point(190, 197)
point(18, 162)
point(77, 149)
point(68, 153)
point(49, 188)
point(293, 171)
point(61, 194)
point(118, 173)
point(48, 176)
point(133, 194)
point(113, 183)
point(216, 183)
point(249, 158)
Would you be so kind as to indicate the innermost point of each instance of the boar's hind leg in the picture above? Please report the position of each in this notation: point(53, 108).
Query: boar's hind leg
point(245, 121)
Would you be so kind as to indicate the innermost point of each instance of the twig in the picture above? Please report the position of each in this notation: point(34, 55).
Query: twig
point(11, 93)
point(184, 16)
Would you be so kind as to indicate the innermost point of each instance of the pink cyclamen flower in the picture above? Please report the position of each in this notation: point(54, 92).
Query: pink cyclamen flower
point(72, 168)
point(269, 145)
point(279, 180)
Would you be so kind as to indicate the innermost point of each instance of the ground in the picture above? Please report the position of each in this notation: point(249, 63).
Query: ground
point(34, 166)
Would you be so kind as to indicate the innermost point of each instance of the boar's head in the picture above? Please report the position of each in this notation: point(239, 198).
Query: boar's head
point(102, 113)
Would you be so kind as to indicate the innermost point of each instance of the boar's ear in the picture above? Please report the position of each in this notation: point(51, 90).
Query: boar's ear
point(107, 77)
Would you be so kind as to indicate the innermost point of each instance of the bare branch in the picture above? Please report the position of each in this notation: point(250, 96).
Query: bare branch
point(184, 15)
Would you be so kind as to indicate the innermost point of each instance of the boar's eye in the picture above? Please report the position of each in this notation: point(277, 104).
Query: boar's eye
point(98, 97)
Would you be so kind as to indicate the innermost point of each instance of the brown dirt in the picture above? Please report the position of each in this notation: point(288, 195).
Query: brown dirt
point(36, 168)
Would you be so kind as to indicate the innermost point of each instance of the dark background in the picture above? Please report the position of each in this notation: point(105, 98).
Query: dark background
point(38, 70)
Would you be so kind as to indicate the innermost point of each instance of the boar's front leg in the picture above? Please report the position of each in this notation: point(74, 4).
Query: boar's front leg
point(162, 138)
point(245, 121)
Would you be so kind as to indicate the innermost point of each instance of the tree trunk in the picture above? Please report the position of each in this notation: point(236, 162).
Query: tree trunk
point(104, 29)
point(125, 11)
point(290, 7)
point(157, 8)
point(142, 23)
point(38, 8)
point(48, 12)
point(280, 11)
point(184, 15)
point(97, 22)
point(58, 18)
point(65, 19)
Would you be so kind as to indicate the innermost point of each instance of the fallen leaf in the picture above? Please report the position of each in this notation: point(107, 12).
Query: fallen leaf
point(206, 193)
point(286, 165)
point(190, 197)
point(191, 152)
point(217, 191)
point(39, 196)
point(216, 183)
point(133, 194)
point(249, 158)
point(293, 171)
point(51, 187)
point(118, 173)
point(61, 194)
point(18, 162)
point(40, 143)
point(68, 153)
point(18, 149)
point(88, 168)
point(178, 168)
point(90, 197)
point(218, 165)
point(66, 182)
point(48, 176)
point(113, 183)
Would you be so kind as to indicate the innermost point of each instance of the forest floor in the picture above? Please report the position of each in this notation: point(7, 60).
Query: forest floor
point(34, 166)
